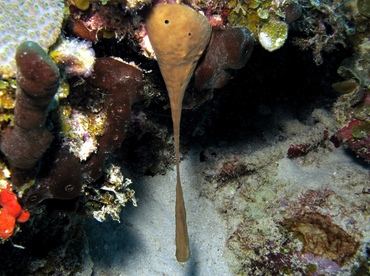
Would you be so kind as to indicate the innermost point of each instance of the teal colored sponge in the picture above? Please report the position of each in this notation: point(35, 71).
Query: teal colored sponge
point(22, 20)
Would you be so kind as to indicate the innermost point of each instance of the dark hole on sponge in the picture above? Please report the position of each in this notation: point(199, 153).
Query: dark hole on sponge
point(33, 198)
point(69, 188)
point(167, 21)
point(189, 34)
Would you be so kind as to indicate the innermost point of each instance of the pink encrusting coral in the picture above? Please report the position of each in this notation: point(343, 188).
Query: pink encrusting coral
point(356, 136)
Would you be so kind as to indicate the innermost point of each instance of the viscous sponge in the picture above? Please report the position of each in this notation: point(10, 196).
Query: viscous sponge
point(21, 20)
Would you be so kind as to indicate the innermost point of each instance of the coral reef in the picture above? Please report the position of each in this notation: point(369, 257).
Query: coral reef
point(325, 25)
point(265, 19)
point(101, 21)
point(25, 143)
point(322, 238)
point(264, 143)
point(116, 195)
point(49, 184)
point(7, 101)
point(352, 107)
point(77, 57)
point(58, 245)
point(124, 85)
point(363, 8)
point(288, 224)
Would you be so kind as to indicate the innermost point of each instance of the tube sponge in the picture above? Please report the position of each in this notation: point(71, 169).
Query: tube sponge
point(38, 81)
point(59, 178)
point(228, 50)
point(125, 86)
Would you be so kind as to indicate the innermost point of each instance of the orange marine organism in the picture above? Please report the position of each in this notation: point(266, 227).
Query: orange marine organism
point(10, 213)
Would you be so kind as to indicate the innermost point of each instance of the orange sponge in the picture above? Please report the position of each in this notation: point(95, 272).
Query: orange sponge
point(10, 212)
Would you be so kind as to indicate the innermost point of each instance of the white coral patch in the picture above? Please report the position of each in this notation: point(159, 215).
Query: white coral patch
point(21, 20)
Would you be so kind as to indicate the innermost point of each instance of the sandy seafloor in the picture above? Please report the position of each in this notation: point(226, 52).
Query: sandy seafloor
point(143, 244)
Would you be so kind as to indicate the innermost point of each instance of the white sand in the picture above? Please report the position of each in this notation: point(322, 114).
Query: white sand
point(143, 244)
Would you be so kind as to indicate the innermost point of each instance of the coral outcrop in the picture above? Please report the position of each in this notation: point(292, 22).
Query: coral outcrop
point(265, 19)
point(124, 86)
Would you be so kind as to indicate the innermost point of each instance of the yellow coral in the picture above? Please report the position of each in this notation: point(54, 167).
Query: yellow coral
point(82, 4)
